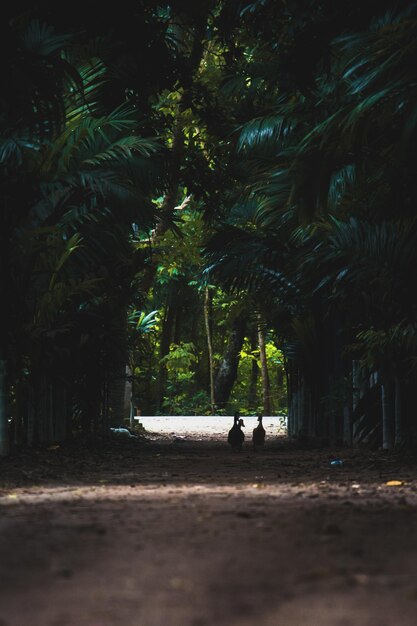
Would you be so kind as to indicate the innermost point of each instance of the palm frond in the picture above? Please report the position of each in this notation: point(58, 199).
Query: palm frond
point(243, 262)
point(143, 322)
point(123, 148)
point(41, 39)
point(14, 149)
point(37, 79)
point(341, 180)
point(266, 131)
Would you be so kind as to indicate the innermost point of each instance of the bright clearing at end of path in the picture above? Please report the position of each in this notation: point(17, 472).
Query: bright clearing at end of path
point(209, 425)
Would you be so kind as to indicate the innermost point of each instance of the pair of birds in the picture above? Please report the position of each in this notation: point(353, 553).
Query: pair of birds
point(236, 436)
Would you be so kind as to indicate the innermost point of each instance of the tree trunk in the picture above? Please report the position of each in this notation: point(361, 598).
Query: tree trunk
point(31, 415)
point(165, 342)
point(386, 399)
point(119, 396)
point(295, 400)
point(61, 412)
point(290, 397)
point(117, 385)
point(4, 425)
point(132, 408)
point(41, 408)
point(20, 417)
point(207, 307)
point(298, 409)
point(227, 370)
point(347, 425)
point(266, 388)
point(45, 418)
point(253, 384)
point(357, 383)
point(408, 408)
point(400, 434)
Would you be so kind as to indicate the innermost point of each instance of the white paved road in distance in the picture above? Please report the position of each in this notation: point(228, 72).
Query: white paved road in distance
point(208, 426)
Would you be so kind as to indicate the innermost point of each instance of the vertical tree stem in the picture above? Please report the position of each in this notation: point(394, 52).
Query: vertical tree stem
point(207, 302)
point(266, 391)
point(4, 430)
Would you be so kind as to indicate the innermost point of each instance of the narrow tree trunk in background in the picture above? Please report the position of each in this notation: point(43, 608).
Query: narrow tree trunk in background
point(400, 434)
point(298, 407)
point(117, 384)
point(386, 399)
point(50, 433)
point(31, 419)
point(310, 424)
point(347, 425)
point(131, 374)
point(45, 413)
point(4, 425)
point(357, 390)
point(253, 384)
point(348, 414)
point(330, 429)
point(290, 397)
point(408, 401)
point(118, 403)
point(207, 306)
point(41, 410)
point(60, 411)
point(227, 370)
point(280, 378)
point(295, 386)
point(20, 413)
point(266, 388)
point(165, 342)
point(104, 407)
point(361, 388)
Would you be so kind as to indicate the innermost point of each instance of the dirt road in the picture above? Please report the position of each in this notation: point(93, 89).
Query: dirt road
point(173, 532)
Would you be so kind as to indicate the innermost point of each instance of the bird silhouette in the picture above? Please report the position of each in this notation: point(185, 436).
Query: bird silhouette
point(258, 435)
point(236, 436)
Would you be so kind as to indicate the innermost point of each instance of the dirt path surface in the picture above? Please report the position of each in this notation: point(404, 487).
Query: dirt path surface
point(167, 531)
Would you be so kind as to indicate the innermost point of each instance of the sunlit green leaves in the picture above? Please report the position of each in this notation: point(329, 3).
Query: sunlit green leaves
point(181, 357)
point(143, 322)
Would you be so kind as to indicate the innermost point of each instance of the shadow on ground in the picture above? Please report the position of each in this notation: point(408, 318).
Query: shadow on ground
point(168, 532)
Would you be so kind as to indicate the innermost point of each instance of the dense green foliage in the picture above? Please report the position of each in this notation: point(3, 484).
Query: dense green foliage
point(330, 232)
point(213, 202)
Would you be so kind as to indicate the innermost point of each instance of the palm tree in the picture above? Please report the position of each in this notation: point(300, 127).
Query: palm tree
point(80, 185)
point(342, 144)
point(32, 111)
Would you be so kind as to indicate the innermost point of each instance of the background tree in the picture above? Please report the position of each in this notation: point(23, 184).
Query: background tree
point(262, 148)
point(321, 143)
